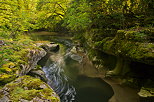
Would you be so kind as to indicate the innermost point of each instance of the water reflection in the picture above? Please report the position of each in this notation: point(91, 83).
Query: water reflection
point(92, 90)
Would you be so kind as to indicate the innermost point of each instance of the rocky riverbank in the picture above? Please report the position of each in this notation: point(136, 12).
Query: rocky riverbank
point(18, 61)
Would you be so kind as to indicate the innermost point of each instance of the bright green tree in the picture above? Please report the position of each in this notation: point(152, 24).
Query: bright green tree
point(50, 13)
point(16, 16)
point(77, 17)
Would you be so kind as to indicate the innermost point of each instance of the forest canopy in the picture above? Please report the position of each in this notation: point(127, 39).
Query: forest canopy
point(18, 16)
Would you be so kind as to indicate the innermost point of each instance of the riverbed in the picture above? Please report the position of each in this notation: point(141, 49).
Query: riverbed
point(75, 79)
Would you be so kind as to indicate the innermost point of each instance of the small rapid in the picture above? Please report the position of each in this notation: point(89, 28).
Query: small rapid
point(57, 79)
point(59, 82)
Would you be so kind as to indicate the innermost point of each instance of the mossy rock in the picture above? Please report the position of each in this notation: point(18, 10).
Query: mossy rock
point(28, 88)
point(18, 57)
point(126, 44)
point(146, 92)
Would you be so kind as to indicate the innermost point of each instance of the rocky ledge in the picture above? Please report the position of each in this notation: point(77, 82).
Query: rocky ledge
point(21, 79)
point(127, 46)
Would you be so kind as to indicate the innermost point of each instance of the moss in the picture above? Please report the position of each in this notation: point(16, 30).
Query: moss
point(28, 88)
point(6, 69)
point(131, 45)
point(9, 65)
point(135, 50)
point(5, 78)
point(41, 42)
point(137, 36)
point(19, 93)
point(25, 42)
point(32, 83)
point(1, 86)
point(13, 54)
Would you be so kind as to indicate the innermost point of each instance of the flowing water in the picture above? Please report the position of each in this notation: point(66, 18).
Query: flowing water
point(71, 78)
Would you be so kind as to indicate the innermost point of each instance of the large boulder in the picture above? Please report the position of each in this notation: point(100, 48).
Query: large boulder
point(33, 57)
point(28, 89)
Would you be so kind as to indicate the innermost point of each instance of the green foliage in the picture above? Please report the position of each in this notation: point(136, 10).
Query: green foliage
point(77, 17)
point(129, 44)
point(136, 36)
point(50, 13)
point(16, 17)
point(83, 15)
point(19, 16)
point(1, 58)
point(6, 78)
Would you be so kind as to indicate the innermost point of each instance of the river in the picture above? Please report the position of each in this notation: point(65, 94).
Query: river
point(74, 78)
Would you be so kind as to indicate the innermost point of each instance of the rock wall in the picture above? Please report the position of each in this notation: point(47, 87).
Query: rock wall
point(125, 46)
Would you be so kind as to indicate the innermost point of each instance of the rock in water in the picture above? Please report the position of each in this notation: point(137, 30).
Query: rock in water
point(49, 47)
point(76, 57)
point(1, 42)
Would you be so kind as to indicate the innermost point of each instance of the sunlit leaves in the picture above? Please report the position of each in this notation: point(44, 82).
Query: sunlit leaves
point(50, 13)
point(16, 15)
point(78, 16)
